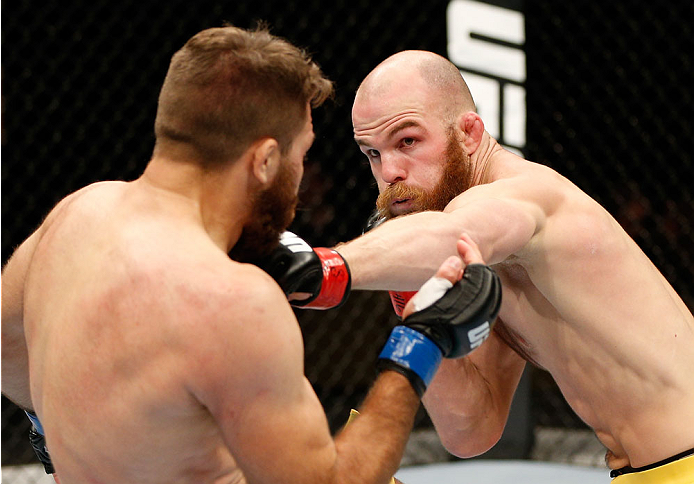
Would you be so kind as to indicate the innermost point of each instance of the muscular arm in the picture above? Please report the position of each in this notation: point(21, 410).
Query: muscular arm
point(253, 384)
point(469, 399)
point(15, 357)
point(373, 444)
point(402, 253)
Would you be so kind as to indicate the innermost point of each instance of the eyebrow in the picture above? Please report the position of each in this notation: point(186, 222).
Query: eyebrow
point(393, 132)
point(400, 127)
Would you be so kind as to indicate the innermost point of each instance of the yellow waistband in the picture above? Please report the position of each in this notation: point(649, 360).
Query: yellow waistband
point(678, 472)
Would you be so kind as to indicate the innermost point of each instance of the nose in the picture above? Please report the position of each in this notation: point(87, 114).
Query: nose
point(392, 169)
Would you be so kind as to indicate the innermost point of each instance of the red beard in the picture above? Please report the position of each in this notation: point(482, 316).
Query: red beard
point(456, 178)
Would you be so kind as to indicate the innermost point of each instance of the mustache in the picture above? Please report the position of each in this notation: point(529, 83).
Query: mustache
point(398, 191)
point(456, 177)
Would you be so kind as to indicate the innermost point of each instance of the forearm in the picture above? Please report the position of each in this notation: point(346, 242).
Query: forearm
point(402, 253)
point(370, 448)
point(462, 409)
point(469, 399)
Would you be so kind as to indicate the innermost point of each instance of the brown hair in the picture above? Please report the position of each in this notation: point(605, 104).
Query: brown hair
point(228, 87)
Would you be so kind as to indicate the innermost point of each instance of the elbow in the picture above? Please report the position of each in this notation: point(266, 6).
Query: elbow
point(469, 444)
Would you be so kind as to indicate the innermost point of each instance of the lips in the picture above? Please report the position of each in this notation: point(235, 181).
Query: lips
point(401, 205)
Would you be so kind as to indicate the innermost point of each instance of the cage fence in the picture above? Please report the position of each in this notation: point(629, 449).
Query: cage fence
point(609, 105)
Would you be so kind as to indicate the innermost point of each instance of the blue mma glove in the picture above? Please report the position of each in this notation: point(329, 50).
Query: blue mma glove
point(450, 321)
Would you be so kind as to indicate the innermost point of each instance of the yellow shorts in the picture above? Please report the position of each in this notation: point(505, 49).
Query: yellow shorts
point(680, 471)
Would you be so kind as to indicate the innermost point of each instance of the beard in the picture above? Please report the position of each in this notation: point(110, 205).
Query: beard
point(273, 211)
point(455, 179)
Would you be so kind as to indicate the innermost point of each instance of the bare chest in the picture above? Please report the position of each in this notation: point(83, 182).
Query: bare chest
point(527, 320)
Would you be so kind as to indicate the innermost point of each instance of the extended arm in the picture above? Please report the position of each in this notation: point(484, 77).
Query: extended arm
point(402, 253)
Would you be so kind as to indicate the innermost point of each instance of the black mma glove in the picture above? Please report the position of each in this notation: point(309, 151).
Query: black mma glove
point(321, 272)
point(448, 325)
point(38, 442)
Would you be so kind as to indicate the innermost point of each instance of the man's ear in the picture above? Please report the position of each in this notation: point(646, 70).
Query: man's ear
point(472, 129)
point(265, 159)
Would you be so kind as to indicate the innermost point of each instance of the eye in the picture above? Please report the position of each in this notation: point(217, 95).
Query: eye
point(408, 141)
point(371, 153)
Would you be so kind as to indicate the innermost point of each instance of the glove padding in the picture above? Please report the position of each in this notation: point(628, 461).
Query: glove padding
point(38, 442)
point(462, 318)
point(321, 272)
point(450, 325)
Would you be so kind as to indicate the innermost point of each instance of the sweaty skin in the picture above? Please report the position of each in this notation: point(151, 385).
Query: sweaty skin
point(580, 299)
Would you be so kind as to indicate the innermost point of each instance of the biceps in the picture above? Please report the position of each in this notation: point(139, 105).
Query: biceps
point(516, 226)
point(283, 438)
point(499, 227)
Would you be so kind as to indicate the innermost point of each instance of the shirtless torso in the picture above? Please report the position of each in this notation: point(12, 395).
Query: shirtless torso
point(153, 357)
point(581, 300)
point(588, 306)
point(147, 353)
point(109, 297)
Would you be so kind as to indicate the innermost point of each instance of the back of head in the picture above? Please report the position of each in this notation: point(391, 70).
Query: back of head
point(228, 87)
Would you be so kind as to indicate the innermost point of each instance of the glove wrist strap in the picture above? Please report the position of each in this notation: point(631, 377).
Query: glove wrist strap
point(336, 280)
point(399, 300)
point(35, 421)
point(414, 352)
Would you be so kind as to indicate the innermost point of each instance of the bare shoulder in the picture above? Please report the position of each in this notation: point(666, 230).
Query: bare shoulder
point(93, 190)
point(516, 180)
point(233, 297)
point(20, 261)
point(83, 197)
point(241, 330)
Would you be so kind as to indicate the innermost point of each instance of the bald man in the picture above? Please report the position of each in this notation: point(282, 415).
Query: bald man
point(581, 300)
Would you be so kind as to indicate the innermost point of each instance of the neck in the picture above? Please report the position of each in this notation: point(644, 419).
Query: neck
point(217, 200)
point(482, 159)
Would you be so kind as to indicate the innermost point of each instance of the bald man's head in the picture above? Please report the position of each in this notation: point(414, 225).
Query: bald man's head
point(431, 72)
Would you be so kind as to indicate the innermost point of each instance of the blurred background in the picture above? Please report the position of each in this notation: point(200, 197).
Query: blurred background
point(599, 91)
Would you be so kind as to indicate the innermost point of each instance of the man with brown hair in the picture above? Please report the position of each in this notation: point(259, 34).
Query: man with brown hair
point(147, 354)
point(581, 299)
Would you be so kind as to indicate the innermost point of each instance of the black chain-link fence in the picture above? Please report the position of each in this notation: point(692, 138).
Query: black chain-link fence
point(609, 103)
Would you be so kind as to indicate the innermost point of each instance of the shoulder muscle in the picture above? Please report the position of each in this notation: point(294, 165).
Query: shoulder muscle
point(248, 337)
